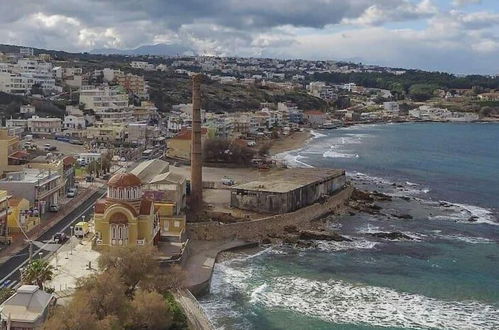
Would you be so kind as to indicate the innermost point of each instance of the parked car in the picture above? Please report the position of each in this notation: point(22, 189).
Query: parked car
point(228, 181)
point(71, 192)
point(106, 176)
point(48, 147)
point(53, 208)
point(78, 142)
point(89, 178)
point(60, 238)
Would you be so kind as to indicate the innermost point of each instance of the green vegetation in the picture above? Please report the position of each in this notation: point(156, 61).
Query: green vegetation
point(5, 294)
point(37, 272)
point(131, 292)
point(225, 151)
point(402, 83)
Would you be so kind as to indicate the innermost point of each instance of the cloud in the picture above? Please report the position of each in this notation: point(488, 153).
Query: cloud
point(433, 37)
point(462, 3)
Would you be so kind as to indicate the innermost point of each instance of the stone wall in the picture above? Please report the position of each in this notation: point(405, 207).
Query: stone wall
point(257, 229)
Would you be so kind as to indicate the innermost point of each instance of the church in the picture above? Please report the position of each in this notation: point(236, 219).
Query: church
point(125, 217)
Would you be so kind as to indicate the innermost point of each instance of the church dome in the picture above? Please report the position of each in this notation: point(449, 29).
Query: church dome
point(124, 180)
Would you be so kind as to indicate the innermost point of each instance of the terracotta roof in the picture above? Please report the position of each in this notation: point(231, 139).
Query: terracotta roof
point(100, 206)
point(145, 207)
point(123, 180)
point(69, 160)
point(19, 154)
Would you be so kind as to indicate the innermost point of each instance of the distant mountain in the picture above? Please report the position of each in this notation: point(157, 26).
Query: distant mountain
point(158, 49)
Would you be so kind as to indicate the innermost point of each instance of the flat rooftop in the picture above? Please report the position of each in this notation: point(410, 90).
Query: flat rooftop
point(284, 180)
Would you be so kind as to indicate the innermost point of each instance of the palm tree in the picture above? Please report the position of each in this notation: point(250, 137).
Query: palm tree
point(37, 272)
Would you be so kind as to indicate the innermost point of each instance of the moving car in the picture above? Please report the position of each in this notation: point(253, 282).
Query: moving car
point(71, 192)
point(54, 208)
point(60, 238)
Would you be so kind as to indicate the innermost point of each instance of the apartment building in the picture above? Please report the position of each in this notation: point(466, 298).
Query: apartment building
point(106, 132)
point(12, 157)
point(133, 84)
point(44, 126)
point(42, 188)
point(4, 211)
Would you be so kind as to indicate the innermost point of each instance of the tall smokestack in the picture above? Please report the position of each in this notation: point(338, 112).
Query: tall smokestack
point(196, 151)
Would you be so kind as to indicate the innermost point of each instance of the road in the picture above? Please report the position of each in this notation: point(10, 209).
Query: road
point(10, 269)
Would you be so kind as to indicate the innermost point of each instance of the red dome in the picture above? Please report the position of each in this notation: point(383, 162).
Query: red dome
point(123, 180)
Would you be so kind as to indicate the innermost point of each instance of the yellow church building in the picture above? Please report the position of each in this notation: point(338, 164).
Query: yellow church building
point(125, 217)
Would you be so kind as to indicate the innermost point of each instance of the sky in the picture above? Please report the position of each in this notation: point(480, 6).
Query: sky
point(459, 36)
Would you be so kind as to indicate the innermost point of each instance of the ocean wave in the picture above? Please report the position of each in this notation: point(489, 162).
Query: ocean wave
point(316, 135)
point(344, 303)
point(329, 246)
point(336, 154)
point(463, 212)
point(292, 159)
point(392, 188)
point(467, 239)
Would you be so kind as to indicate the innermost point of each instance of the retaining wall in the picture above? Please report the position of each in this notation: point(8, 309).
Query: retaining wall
point(260, 228)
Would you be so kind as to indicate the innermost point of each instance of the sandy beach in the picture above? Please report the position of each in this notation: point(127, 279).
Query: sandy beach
point(293, 141)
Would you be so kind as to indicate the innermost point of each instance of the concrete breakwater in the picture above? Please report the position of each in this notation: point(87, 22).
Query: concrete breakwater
point(257, 229)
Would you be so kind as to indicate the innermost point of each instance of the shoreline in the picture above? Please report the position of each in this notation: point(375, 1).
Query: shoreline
point(292, 142)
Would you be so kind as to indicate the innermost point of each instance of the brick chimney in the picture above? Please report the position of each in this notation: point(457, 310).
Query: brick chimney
point(196, 199)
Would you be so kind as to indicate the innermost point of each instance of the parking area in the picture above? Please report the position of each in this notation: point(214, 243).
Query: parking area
point(65, 148)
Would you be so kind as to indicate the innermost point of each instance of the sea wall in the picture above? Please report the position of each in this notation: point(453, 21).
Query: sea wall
point(260, 228)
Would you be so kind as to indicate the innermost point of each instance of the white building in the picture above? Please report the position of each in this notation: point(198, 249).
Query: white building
point(44, 126)
point(139, 65)
point(27, 109)
point(391, 106)
point(26, 309)
point(27, 52)
point(73, 122)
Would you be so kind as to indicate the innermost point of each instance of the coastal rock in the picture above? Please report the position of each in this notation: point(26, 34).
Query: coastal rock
point(290, 229)
point(402, 216)
point(290, 239)
point(405, 198)
point(392, 235)
point(306, 244)
point(362, 196)
point(266, 240)
point(322, 236)
point(381, 197)
point(473, 218)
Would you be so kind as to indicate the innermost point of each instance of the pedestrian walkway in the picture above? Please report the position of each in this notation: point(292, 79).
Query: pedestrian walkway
point(202, 257)
point(73, 260)
point(19, 242)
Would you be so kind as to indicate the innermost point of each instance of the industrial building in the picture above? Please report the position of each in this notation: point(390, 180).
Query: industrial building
point(287, 190)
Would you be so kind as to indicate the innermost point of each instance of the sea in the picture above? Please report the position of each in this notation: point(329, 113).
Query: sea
point(446, 177)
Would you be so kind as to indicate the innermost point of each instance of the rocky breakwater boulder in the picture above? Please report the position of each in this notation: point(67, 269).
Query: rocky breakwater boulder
point(395, 235)
point(322, 236)
point(364, 201)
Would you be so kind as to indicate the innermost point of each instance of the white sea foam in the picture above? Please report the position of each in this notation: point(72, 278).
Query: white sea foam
point(343, 246)
point(292, 160)
point(257, 292)
point(316, 135)
point(336, 154)
point(340, 302)
point(463, 212)
point(467, 239)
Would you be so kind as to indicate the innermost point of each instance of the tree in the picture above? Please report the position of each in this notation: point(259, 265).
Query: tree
point(225, 151)
point(149, 310)
point(5, 294)
point(129, 264)
point(37, 272)
point(421, 92)
point(132, 292)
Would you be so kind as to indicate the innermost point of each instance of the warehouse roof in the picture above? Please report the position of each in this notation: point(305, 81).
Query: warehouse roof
point(285, 180)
